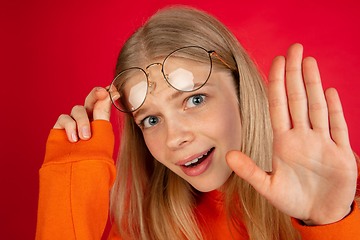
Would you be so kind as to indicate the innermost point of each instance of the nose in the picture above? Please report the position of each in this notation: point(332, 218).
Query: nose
point(179, 132)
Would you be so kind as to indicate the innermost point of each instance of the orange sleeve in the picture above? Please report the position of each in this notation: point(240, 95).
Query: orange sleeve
point(75, 180)
point(346, 229)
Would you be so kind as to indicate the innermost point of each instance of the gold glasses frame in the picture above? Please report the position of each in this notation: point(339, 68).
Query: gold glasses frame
point(152, 84)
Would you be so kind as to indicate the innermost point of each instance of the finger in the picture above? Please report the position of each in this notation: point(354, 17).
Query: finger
point(318, 113)
point(98, 104)
point(96, 94)
point(338, 127)
point(246, 169)
point(295, 87)
point(278, 106)
point(82, 122)
point(68, 123)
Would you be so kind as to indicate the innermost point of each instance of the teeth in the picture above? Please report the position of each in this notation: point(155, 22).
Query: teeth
point(191, 162)
point(195, 160)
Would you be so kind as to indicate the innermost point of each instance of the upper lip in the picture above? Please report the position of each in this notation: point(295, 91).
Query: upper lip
point(183, 161)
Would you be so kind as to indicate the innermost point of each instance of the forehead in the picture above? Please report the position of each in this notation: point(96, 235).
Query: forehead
point(220, 86)
point(220, 80)
point(182, 74)
point(184, 70)
point(166, 53)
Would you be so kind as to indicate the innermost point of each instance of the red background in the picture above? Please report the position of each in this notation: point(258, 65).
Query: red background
point(54, 52)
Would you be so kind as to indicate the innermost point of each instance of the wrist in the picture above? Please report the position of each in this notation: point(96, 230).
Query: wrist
point(314, 223)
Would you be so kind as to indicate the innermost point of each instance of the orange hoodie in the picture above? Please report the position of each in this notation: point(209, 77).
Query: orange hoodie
point(75, 180)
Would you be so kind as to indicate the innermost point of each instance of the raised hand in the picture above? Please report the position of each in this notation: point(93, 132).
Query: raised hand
point(77, 124)
point(314, 169)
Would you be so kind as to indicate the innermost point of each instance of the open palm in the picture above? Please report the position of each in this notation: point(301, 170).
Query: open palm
point(314, 169)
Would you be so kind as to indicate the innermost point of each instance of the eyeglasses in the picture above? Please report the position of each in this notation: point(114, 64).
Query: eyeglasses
point(186, 69)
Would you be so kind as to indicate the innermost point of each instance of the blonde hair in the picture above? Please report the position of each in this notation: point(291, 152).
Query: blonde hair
point(148, 201)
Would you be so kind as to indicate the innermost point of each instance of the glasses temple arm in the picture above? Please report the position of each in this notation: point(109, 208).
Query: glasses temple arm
point(214, 53)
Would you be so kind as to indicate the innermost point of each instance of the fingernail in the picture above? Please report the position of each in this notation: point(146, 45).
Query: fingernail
point(86, 132)
point(98, 88)
point(74, 137)
point(116, 97)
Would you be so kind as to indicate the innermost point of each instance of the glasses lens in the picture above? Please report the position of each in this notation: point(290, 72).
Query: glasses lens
point(132, 87)
point(187, 69)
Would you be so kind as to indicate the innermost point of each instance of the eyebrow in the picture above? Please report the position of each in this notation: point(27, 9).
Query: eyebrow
point(174, 95)
point(170, 98)
point(179, 93)
point(139, 112)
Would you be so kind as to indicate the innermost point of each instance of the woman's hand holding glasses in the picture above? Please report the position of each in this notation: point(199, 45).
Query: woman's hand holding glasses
point(77, 124)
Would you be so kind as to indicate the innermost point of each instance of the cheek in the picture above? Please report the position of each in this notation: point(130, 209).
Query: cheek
point(232, 119)
point(229, 123)
point(154, 145)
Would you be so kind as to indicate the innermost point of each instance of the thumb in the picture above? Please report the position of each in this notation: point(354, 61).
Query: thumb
point(102, 107)
point(246, 169)
point(98, 104)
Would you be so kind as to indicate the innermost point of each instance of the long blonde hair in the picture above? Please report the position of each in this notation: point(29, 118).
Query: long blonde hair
point(148, 201)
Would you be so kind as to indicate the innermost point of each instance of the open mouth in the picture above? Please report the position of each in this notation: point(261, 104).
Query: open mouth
point(199, 160)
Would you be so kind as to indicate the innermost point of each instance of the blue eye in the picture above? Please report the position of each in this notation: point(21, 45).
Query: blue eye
point(195, 100)
point(150, 121)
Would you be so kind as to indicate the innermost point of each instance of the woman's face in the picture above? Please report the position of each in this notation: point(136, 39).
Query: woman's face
point(191, 132)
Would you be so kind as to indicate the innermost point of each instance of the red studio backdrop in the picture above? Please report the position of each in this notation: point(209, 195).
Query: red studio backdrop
point(54, 52)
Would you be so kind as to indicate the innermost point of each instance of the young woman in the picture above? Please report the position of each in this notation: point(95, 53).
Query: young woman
point(206, 152)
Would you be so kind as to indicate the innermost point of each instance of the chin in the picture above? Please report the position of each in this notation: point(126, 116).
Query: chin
point(209, 186)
